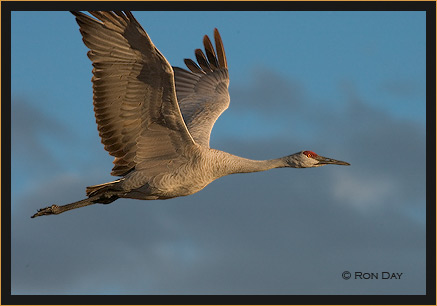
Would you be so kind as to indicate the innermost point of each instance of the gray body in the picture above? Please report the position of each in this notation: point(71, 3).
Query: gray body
point(204, 166)
point(155, 119)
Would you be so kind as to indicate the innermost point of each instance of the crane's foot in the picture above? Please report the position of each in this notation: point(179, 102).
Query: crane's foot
point(56, 210)
point(51, 210)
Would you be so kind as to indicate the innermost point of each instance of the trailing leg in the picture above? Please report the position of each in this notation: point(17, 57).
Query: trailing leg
point(56, 210)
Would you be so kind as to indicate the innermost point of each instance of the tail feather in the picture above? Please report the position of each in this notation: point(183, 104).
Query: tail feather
point(101, 188)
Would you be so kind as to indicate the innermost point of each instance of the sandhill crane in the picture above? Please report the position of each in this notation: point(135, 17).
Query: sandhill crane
point(156, 119)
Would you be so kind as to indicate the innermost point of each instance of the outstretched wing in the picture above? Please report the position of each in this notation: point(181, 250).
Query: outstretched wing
point(135, 102)
point(203, 93)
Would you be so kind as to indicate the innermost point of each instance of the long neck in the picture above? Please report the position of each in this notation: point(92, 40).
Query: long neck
point(249, 165)
point(229, 164)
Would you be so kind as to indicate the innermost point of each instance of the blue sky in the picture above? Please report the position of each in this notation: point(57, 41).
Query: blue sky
point(347, 85)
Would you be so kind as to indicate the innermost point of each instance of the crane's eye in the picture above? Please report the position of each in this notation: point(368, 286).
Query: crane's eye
point(309, 153)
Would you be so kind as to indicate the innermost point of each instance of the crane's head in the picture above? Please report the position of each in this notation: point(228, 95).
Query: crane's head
point(309, 159)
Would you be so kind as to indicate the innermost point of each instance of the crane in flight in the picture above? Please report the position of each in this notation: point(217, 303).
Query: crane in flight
point(155, 119)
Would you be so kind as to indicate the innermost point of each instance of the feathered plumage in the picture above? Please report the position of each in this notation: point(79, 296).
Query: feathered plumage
point(155, 119)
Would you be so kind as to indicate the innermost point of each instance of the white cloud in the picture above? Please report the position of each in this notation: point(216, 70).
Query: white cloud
point(363, 192)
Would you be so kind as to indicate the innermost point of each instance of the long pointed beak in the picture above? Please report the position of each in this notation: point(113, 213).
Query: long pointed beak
point(329, 161)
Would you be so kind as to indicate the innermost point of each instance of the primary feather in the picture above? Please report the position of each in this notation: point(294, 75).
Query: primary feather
point(203, 92)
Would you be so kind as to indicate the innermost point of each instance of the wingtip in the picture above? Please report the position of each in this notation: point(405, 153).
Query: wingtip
point(207, 42)
point(220, 49)
point(76, 13)
point(192, 66)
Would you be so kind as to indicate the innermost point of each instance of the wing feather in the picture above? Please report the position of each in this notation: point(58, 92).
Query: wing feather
point(201, 59)
point(210, 53)
point(220, 49)
point(135, 103)
point(193, 66)
point(203, 91)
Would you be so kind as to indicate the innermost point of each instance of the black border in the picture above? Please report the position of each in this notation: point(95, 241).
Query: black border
point(221, 5)
point(428, 6)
